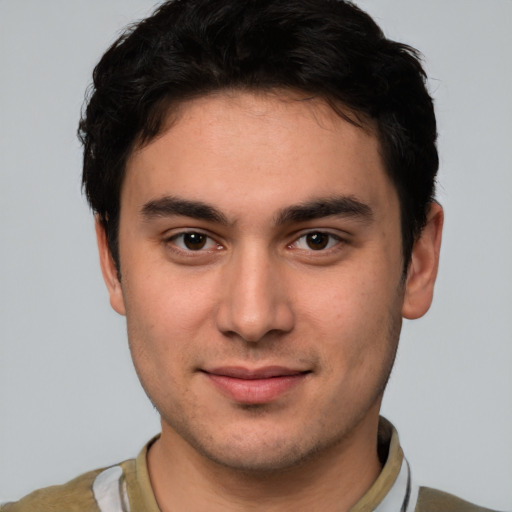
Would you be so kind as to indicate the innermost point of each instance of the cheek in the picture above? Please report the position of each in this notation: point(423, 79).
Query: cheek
point(158, 335)
point(159, 319)
point(355, 318)
point(164, 297)
point(348, 297)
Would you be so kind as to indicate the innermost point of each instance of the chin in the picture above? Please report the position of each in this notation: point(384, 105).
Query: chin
point(260, 460)
point(262, 452)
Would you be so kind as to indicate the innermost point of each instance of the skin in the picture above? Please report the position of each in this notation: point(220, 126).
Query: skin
point(256, 287)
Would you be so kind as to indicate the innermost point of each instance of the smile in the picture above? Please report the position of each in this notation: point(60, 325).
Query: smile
point(259, 386)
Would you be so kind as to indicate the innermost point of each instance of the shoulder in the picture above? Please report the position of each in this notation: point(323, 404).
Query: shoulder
point(120, 487)
point(431, 500)
point(74, 496)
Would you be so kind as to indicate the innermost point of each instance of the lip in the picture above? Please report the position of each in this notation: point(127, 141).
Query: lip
point(255, 386)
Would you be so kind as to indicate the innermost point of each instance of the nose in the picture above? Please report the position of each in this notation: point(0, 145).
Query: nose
point(254, 300)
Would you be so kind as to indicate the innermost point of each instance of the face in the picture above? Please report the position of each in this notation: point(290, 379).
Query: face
point(261, 268)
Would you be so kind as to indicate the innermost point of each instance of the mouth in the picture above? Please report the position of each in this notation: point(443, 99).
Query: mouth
point(255, 386)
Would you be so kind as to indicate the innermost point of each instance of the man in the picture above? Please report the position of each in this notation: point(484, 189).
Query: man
point(262, 175)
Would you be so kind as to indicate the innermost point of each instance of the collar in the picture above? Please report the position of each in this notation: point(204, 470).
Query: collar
point(394, 489)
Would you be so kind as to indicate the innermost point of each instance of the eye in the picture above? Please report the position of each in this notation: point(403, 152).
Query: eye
point(316, 241)
point(193, 241)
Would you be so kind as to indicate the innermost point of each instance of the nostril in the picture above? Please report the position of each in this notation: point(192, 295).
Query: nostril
point(254, 326)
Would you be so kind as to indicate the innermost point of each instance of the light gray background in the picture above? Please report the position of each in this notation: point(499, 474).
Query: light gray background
point(69, 398)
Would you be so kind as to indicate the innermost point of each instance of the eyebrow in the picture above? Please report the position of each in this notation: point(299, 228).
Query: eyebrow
point(345, 206)
point(341, 206)
point(169, 206)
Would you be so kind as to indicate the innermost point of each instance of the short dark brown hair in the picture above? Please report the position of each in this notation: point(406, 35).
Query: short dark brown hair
point(325, 48)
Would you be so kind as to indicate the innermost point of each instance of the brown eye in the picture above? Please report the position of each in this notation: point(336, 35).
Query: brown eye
point(317, 241)
point(194, 241)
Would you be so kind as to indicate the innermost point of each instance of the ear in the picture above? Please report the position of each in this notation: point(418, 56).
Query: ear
point(422, 271)
point(109, 270)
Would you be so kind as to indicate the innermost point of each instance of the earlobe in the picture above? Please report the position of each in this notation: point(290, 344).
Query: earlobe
point(109, 269)
point(422, 272)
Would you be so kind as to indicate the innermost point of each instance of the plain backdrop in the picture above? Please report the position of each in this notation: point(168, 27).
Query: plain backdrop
point(69, 398)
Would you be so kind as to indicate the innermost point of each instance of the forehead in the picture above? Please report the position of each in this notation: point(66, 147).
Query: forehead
point(268, 148)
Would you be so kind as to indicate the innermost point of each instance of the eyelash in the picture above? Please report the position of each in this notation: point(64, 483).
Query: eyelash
point(172, 241)
point(332, 241)
point(210, 244)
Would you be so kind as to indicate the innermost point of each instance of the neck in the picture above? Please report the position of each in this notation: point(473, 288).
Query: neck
point(333, 480)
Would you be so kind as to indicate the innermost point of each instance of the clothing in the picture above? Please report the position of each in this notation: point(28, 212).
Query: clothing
point(126, 488)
